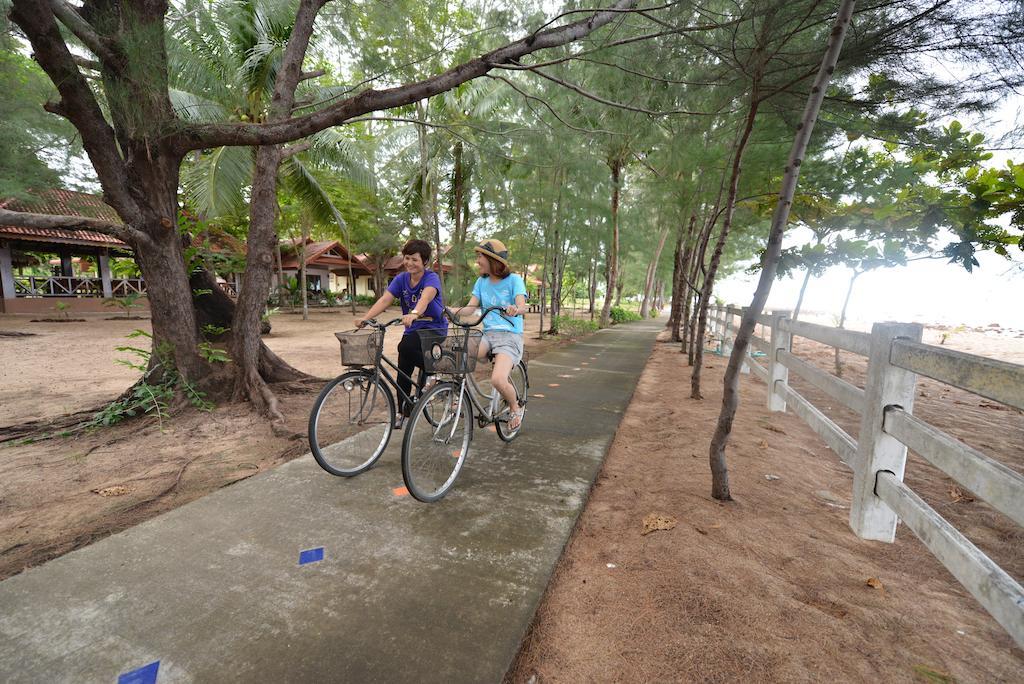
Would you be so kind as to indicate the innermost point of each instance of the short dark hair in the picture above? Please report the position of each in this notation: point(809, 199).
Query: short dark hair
point(498, 269)
point(421, 247)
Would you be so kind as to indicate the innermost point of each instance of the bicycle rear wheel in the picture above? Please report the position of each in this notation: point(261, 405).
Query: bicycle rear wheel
point(517, 376)
point(436, 442)
point(351, 423)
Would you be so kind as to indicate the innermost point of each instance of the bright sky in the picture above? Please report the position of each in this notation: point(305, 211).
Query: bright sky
point(924, 292)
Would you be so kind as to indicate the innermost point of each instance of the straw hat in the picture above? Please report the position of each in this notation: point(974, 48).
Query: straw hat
point(494, 249)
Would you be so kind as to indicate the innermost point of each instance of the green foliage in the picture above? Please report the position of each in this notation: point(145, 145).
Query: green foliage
point(570, 327)
point(63, 308)
point(155, 391)
point(212, 354)
point(621, 315)
point(26, 129)
point(126, 303)
point(365, 300)
point(211, 330)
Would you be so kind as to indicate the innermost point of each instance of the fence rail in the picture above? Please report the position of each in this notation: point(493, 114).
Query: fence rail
point(74, 286)
point(888, 427)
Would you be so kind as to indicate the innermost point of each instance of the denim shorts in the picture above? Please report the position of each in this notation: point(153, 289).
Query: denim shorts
point(505, 342)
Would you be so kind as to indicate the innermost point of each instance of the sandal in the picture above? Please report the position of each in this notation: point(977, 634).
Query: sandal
point(516, 418)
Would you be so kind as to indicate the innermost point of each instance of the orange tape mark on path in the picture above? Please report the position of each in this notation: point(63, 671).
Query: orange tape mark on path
point(400, 491)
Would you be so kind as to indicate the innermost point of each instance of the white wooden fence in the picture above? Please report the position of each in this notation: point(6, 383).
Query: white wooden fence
point(888, 427)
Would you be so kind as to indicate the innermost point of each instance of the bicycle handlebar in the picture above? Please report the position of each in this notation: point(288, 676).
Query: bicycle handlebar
point(374, 323)
point(499, 309)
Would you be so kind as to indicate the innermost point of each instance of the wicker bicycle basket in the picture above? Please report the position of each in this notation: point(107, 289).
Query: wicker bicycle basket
point(360, 347)
point(452, 354)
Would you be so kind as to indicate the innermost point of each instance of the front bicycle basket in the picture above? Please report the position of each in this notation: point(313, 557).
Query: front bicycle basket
point(452, 354)
point(360, 347)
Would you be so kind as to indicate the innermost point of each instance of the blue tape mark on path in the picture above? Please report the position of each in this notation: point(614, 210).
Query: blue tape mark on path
point(143, 675)
point(311, 555)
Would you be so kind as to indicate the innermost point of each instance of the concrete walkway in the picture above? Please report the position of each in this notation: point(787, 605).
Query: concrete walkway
point(405, 592)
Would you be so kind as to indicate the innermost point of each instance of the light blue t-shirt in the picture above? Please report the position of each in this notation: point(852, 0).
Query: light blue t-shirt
point(503, 293)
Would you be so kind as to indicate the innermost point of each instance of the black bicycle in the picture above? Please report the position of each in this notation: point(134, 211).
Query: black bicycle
point(353, 418)
point(440, 430)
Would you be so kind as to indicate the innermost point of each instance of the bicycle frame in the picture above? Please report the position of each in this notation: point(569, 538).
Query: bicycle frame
point(476, 399)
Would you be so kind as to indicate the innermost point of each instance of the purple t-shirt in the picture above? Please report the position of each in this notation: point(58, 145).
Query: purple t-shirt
point(408, 295)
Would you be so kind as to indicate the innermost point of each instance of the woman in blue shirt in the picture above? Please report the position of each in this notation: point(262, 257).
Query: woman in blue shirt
point(418, 289)
point(498, 286)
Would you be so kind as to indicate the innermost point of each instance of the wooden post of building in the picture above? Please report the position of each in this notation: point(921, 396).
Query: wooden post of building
point(103, 266)
point(6, 273)
point(777, 372)
point(66, 269)
point(886, 385)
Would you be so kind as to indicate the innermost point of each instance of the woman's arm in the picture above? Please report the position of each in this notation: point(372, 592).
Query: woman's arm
point(518, 308)
point(474, 302)
point(377, 308)
point(421, 306)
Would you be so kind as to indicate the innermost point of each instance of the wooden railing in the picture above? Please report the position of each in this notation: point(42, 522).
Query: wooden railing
point(74, 286)
point(888, 427)
point(122, 286)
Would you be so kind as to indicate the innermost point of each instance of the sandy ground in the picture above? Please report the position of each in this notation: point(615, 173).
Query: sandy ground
point(59, 494)
point(774, 586)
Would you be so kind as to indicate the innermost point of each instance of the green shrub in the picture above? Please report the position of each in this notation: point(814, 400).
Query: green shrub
point(620, 315)
point(365, 300)
point(574, 327)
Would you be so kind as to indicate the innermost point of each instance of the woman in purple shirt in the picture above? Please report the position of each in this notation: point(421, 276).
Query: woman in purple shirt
point(418, 289)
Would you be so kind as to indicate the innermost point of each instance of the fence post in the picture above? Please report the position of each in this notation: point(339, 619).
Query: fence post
point(777, 372)
point(886, 385)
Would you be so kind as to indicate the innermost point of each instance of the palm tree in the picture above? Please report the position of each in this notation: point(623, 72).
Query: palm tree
point(223, 66)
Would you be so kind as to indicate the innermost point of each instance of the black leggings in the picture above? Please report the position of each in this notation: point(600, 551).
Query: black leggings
point(410, 356)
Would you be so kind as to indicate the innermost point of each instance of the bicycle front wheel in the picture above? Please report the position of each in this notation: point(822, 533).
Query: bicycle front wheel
point(351, 423)
point(516, 376)
point(436, 442)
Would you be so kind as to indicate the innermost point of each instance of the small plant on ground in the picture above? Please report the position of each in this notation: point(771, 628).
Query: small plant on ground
point(211, 330)
point(365, 300)
point(155, 391)
point(63, 308)
point(126, 303)
point(953, 331)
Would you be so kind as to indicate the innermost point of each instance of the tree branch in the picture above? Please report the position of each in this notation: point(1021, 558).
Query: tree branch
point(295, 149)
point(24, 219)
point(83, 30)
point(619, 105)
point(199, 136)
point(306, 75)
point(551, 109)
point(77, 104)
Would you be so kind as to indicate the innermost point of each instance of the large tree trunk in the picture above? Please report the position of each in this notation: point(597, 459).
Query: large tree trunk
point(543, 289)
point(459, 238)
point(716, 256)
point(303, 286)
point(730, 394)
point(246, 344)
point(280, 274)
point(612, 262)
point(680, 287)
point(554, 275)
point(652, 269)
point(592, 287)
